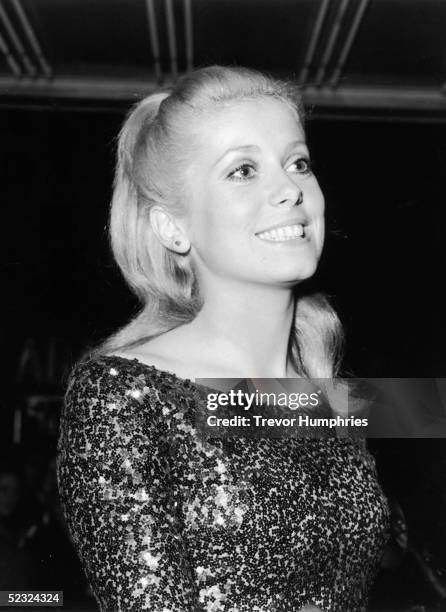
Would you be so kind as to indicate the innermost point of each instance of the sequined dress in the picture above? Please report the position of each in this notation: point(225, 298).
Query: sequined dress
point(166, 522)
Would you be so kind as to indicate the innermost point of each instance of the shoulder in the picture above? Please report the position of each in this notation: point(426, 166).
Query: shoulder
point(110, 403)
point(114, 383)
point(102, 374)
point(110, 386)
point(113, 373)
point(151, 357)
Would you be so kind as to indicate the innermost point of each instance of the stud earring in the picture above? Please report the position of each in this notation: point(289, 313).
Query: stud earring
point(178, 242)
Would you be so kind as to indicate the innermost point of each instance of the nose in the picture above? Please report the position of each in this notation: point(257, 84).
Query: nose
point(287, 193)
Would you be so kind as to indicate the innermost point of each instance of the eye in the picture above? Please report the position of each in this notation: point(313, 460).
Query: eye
point(243, 172)
point(302, 165)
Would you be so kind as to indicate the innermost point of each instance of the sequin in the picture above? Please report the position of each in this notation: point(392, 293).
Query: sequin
point(166, 522)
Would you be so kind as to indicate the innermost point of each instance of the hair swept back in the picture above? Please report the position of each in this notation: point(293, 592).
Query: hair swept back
point(152, 147)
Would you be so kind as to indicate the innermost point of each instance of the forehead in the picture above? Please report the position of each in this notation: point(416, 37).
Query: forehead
point(263, 122)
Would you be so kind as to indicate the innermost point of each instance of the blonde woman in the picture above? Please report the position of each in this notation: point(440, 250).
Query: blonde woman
point(216, 219)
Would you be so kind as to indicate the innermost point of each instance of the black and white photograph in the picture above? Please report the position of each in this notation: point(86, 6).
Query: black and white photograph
point(223, 306)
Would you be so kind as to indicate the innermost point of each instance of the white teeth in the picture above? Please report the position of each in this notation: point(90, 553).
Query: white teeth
point(283, 233)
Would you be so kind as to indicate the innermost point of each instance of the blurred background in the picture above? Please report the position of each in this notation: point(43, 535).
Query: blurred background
point(373, 75)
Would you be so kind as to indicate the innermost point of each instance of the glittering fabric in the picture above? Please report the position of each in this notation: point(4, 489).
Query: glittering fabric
point(166, 522)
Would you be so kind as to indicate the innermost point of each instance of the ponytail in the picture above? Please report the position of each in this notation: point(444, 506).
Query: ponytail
point(163, 281)
point(126, 227)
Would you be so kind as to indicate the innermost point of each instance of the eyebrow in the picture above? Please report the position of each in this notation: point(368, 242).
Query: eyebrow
point(254, 148)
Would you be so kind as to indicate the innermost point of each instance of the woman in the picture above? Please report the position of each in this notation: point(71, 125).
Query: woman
point(216, 219)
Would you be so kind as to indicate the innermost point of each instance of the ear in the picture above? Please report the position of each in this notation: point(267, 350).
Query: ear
point(168, 231)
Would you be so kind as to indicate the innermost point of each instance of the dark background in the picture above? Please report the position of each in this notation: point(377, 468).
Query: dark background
point(378, 142)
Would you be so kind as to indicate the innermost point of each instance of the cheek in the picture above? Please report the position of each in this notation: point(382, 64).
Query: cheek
point(320, 234)
point(317, 213)
point(319, 200)
point(225, 221)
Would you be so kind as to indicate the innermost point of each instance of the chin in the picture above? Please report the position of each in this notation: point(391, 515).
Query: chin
point(300, 272)
point(293, 278)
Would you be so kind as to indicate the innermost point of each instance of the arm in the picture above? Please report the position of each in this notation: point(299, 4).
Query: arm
point(113, 476)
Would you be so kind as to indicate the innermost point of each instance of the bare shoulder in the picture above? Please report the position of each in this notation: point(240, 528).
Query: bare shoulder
point(169, 352)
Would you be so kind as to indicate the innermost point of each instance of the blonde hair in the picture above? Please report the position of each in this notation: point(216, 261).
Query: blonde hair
point(154, 146)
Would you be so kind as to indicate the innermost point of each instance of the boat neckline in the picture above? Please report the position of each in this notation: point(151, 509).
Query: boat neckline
point(185, 382)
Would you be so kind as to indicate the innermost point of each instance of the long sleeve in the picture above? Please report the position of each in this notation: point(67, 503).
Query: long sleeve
point(166, 521)
point(114, 483)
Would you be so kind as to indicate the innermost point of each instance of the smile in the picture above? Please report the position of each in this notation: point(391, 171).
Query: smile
point(282, 234)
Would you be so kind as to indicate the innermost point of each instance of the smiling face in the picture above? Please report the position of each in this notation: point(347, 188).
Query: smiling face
point(250, 174)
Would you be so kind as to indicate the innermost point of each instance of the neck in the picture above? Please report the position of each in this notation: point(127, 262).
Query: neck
point(250, 329)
